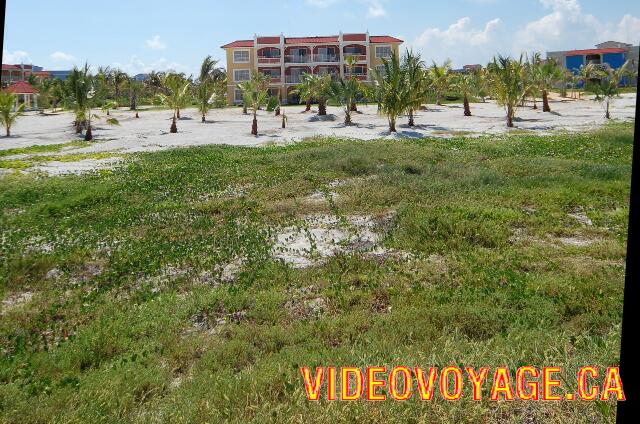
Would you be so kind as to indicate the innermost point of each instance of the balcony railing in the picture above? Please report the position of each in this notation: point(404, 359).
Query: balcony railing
point(292, 79)
point(326, 57)
point(263, 59)
point(294, 58)
point(356, 56)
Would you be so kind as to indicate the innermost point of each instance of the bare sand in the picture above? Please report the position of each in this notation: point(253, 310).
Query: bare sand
point(230, 126)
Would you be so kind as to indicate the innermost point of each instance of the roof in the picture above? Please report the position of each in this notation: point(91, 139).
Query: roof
point(238, 43)
point(21, 87)
point(312, 40)
point(384, 39)
point(594, 51)
point(9, 67)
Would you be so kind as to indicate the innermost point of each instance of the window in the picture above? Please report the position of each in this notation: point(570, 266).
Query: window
point(241, 56)
point(240, 75)
point(272, 72)
point(270, 52)
point(237, 95)
point(383, 52)
point(354, 51)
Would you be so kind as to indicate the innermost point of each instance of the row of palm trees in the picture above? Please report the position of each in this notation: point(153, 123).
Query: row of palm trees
point(406, 85)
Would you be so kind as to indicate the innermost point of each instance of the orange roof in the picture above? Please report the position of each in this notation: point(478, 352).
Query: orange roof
point(594, 51)
point(314, 39)
point(21, 87)
point(384, 39)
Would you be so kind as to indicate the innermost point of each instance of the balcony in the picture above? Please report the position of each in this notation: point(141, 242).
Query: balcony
point(326, 58)
point(267, 60)
point(293, 79)
point(294, 58)
point(356, 56)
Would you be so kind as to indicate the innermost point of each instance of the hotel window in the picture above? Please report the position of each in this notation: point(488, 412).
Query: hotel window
point(273, 73)
point(240, 75)
point(383, 52)
point(241, 56)
point(237, 95)
point(271, 53)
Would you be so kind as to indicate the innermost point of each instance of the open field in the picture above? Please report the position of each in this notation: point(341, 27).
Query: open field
point(230, 126)
point(189, 285)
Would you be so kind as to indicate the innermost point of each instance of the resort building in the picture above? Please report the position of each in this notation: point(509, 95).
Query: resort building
point(608, 55)
point(21, 72)
point(286, 59)
point(25, 94)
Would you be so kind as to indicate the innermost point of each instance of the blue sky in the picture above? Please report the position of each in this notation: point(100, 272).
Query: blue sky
point(140, 35)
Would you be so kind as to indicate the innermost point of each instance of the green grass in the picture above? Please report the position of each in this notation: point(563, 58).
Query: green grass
point(44, 148)
point(109, 338)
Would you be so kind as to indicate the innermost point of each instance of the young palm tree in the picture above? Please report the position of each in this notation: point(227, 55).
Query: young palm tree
point(550, 74)
point(508, 84)
point(8, 116)
point(350, 62)
point(533, 74)
point(255, 95)
point(136, 91)
point(416, 84)
point(305, 90)
point(440, 79)
point(204, 93)
point(119, 78)
point(177, 88)
point(605, 92)
point(344, 92)
point(466, 84)
point(80, 84)
point(319, 87)
point(393, 90)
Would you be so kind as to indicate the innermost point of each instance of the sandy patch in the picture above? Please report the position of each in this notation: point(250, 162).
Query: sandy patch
point(77, 167)
point(15, 301)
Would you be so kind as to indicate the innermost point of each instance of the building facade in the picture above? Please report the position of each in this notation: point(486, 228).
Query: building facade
point(286, 59)
point(21, 72)
point(608, 55)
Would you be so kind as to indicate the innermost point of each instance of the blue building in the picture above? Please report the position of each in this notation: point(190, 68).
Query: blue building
point(61, 75)
point(610, 54)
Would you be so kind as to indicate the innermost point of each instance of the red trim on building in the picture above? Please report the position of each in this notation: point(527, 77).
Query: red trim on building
point(319, 39)
point(21, 87)
point(594, 51)
point(10, 67)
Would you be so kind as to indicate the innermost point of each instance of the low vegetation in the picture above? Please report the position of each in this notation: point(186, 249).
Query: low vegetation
point(151, 293)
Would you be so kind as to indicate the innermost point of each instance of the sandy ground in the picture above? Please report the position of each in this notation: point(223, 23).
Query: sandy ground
point(229, 126)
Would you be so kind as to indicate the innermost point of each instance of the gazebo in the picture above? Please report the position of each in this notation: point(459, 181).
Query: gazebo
point(25, 93)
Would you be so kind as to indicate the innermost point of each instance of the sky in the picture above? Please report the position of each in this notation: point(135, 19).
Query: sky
point(140, 35)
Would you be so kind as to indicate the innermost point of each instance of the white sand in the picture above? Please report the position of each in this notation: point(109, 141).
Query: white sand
point(230, 126)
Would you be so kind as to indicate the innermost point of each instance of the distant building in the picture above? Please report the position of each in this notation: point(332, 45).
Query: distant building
point(471, 68)
point(286, 59)
point(608, 55)
point(21, 72)
point(141, 77)
point(25, 94)
point(61, 75)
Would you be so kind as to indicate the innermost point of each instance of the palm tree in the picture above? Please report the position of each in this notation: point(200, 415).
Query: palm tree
point(550, 74)
point(508, 83)
point(393, 90)
point(136, 91)
point(416, 84)
point(466, 84)
point(319, 87)
point(176, 87)
point(305, 90)
point(533, 74)
point(440, 79)
point(80, 84)
point(605, 91)
point(351, 61)
point(8, 113)
point(206, 85)
point(255, 94)
point(118, 78)
point(344, 92)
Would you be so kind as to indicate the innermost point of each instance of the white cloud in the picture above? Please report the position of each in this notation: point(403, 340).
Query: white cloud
point(15, 57)
point(137, 66)
point(627, 31)
point(375, 9)
point(321, 3)
point(62, 57)
point(155, 43)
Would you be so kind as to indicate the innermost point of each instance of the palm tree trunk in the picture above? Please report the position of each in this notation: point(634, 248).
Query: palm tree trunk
point(284, 121)
point(203, 118)
point(347, 116)
point(244, 110)
point(535, 104)
point(545, 101)
point(178, 111)
point(174, 128)
point(308, 106)
point(467, 111)
point(353, 107)
point(606, 114)
point(411, 122)
point(137, 116)
point(278, 111)
point(88, 135)
point(392, 125)
point(254, 125)
point(322, 107)
point(510, 117)
point(8, 131)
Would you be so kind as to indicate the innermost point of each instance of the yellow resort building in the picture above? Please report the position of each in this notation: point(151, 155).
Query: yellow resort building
point(285, 59)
